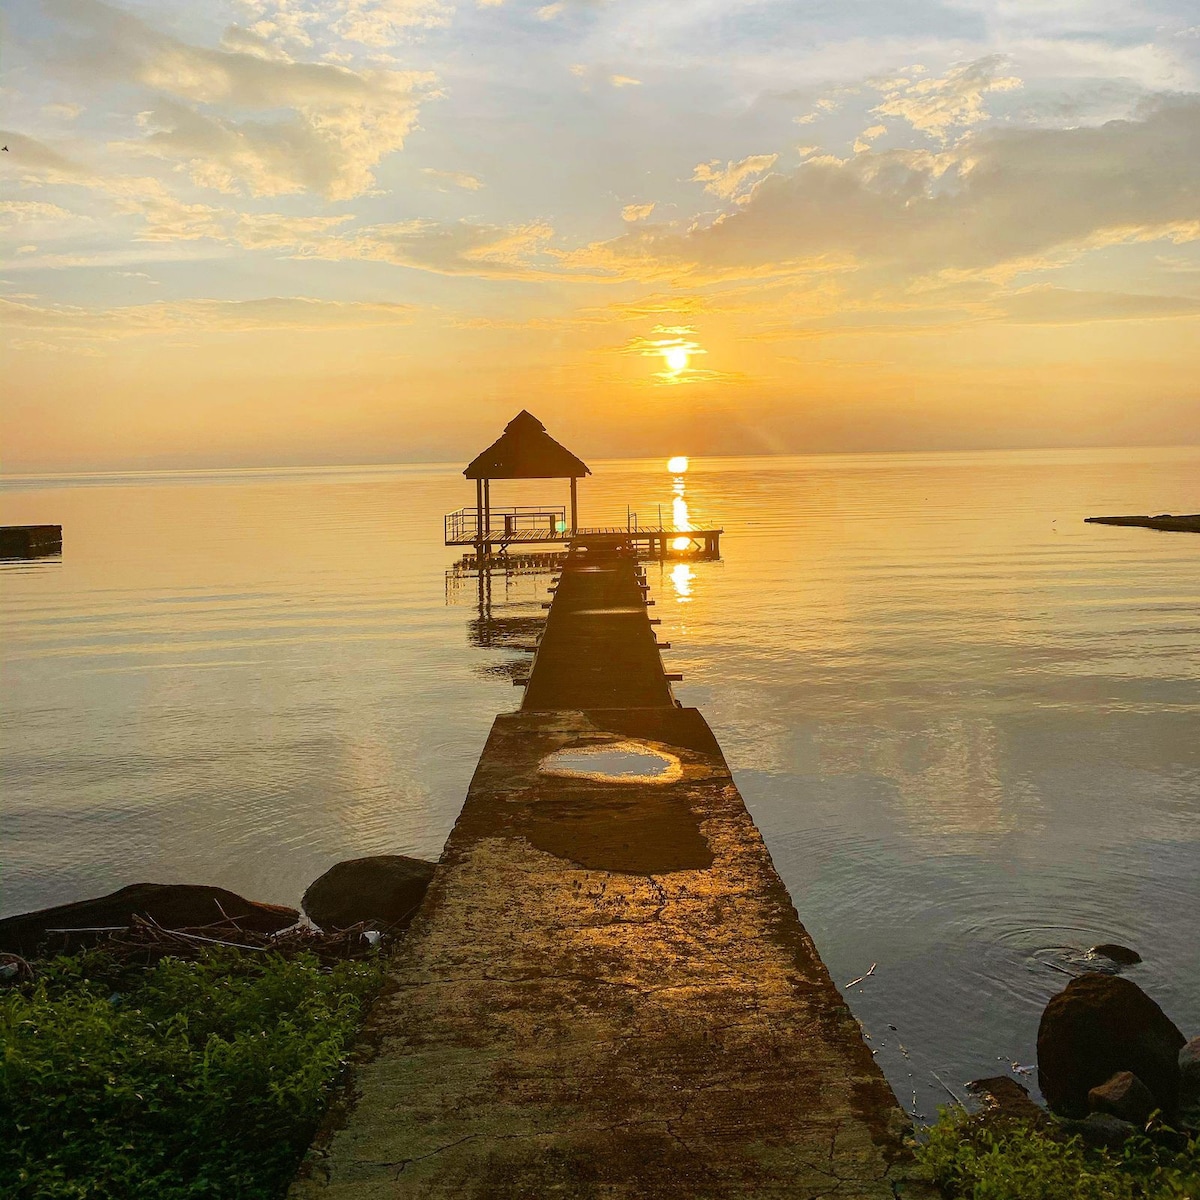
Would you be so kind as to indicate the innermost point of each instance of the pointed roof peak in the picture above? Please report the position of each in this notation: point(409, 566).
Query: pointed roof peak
point(524, 420)
point(526, 451)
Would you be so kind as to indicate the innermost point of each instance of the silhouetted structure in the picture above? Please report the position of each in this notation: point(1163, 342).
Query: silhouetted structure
point(30, 541)
point(523, 451)
point(526, 451)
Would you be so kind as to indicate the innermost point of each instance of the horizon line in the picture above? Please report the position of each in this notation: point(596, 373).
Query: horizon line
point(283, 468)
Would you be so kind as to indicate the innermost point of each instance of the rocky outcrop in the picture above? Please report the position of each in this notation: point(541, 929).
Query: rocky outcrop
point(1124, 1096)
point(30, 541)
point(1098, 1026)
point(1184, 523)
point(384, 891)
point(1189, 1076)
point(1003, 1097)
point(1114, 952)
point(171, 905)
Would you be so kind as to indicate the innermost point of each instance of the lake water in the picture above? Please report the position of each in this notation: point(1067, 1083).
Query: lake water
point(967, 724)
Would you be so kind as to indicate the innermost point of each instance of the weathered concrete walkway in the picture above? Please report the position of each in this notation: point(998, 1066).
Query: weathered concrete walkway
point(607, 992)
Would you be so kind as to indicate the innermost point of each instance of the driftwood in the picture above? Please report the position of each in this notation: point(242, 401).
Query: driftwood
point(144, 941)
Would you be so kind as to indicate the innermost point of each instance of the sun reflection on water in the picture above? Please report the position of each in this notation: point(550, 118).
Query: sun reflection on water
point(679, 506)
point(681, 581)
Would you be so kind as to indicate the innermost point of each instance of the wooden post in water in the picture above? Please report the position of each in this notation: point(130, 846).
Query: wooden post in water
point(479, 518)
point(574, 506)
point(487, 516)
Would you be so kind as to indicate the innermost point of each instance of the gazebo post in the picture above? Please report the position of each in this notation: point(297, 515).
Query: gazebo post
point(574, 508)
point(479, 517)
point(487, 515)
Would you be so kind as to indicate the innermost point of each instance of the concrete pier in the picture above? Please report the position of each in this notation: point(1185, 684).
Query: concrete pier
point(607, 992)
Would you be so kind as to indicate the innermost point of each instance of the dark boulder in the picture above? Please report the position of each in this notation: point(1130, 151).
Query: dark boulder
point(1189, 1073)
point(385, 891)
point(1124, 1096)
point(171, 905)
point(1097, 1026)
point(1102, 1130)
point(1116, 953)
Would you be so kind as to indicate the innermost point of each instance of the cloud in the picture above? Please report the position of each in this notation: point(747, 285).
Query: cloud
point(515, 251)
point(863, 141)
point(636, 212)
point(241, 121)
point(62, 112)
point(459, 178)
point(380, 23)
point(953, 101)
point(726, 181)
point(824, 106)
point(1062, 306)
point(1001, 201)
point(451, 248)
point(165, 218)
point(22, 213)
point(549, 11)
point(202, 315)
point(622, 81)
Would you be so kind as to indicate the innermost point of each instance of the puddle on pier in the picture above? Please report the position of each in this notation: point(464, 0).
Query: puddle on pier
point(613, 762)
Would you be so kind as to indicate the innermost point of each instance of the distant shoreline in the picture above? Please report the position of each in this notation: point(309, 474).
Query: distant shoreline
point(1184, 523)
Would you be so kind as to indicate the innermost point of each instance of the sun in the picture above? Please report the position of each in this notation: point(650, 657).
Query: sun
point(677, 358)
point(678, 464)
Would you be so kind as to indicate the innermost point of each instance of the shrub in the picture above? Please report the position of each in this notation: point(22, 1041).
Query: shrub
point(198, 1079)
point(1008, 1160)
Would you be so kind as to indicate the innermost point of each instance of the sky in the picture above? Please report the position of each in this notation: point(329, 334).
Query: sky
point(273, 232)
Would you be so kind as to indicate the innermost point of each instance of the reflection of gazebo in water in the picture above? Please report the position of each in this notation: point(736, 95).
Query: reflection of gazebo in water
point(524, 451)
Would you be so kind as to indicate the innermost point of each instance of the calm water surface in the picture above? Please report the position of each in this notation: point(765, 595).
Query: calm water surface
point(967, 724)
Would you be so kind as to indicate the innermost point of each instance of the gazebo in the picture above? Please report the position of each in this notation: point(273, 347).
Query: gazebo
point(523, 451)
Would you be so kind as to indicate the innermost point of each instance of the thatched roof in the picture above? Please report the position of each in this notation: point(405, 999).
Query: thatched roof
point(526, 451)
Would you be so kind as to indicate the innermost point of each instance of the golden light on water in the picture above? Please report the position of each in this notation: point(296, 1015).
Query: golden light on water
point(677, 465)
point(680, 543)
point(681, 581)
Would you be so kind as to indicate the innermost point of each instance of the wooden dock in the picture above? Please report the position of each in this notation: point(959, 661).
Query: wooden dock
point(607, 992)
point(655, 542)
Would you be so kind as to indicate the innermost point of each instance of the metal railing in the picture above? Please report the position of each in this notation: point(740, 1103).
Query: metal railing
point(463, 527)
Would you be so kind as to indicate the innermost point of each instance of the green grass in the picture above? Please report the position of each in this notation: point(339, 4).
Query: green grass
point(200, 1079)
point(1006, 1160)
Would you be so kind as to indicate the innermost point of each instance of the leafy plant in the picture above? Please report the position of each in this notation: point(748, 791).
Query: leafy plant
point(1010, 1160)
point(201, 1079)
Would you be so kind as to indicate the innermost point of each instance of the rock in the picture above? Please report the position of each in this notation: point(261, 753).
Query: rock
point(172, 905)
point(1124, 1096)
point(1189, 1074)
point(386, 889)
point(1097, 1026)
point(1116, 953)
point(1103, 1129)
point(1005, 1097)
